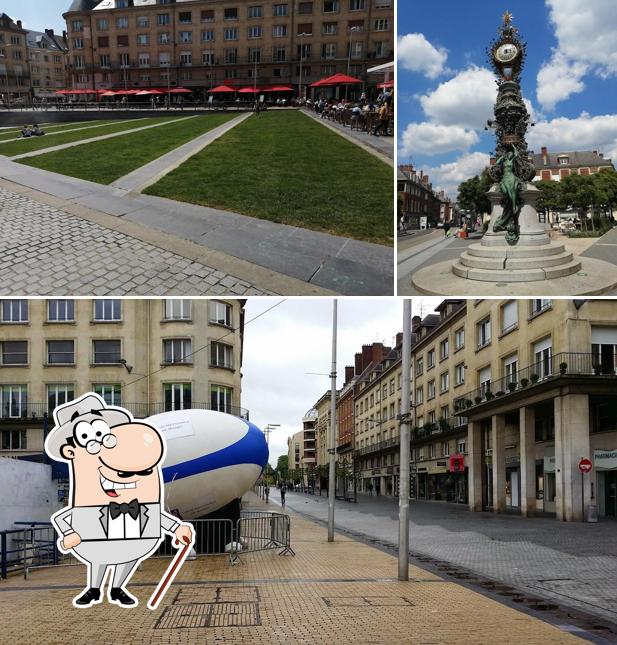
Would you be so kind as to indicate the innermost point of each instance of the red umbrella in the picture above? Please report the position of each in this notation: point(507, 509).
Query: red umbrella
point(279, 88)
point(180, 90)
point(249, 90)
point(109, 93)
point(337, 79)
point(157, 92)
point(220, 89)
point(386, 85)
point(144, 93)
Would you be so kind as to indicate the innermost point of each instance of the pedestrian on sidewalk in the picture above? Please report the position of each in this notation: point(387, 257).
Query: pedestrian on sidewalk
point(283, 491)
point(267, 492)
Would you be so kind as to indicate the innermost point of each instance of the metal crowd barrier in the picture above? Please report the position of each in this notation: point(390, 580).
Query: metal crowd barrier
point(35, 545)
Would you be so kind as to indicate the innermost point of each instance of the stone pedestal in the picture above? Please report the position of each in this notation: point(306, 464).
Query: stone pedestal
point(533, 257)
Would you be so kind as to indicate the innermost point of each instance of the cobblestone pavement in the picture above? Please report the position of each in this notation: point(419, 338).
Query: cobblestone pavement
point(45, 251)
point(341, 592)
point(572, 563)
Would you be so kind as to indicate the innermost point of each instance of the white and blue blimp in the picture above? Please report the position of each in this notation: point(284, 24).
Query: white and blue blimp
point(212, 458)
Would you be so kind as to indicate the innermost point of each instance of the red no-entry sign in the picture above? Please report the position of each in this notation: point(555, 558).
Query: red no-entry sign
point(585, 465)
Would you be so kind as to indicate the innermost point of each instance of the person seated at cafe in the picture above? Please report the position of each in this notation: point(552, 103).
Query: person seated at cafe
point(383, 120)
point(26, 132)
point(356, 113)
point(36, 131)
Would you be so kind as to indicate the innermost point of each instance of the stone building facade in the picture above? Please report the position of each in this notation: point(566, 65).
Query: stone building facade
point(14, 70)
point(48, 59)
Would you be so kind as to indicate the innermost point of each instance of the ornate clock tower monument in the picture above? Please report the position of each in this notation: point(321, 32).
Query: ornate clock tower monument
point(516, 254)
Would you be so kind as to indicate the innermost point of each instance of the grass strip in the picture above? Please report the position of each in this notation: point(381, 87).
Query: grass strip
point(105, 161)
point(285, 167)
point(21, 147)
point(9, 135)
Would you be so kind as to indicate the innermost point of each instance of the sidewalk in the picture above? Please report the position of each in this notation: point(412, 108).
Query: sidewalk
point(343, 592)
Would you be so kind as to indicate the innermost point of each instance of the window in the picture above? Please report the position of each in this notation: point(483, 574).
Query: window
point(77, 25)
point(563, 161)
point(419, 395)
point(430, 359)
point(13, 440)
point(123, 41)
point(13, 401)
point(444, 382)
point(306, 29)
point(107, 310)
point(432, 451)
point(279, 10)
point(14, 311)
point(484, 332)
point(14, 352)
point(230, 14)
point(462, 447)
point(177, 309)
point(207, 57)
point(207, 36)
point(221, 398)
point(207, 15)
point(382, 24)
point(185, 17)
point(330, 6)
point(510, 369)
point(279, 54)
point(254, 32)
point(221, 355)
point(143, 22)
point(459, 374)
point(328, 50)
point(430, 390)
point(509, 316)
point(356, 5)
point(382, 49)
point(78, 43)
point(356, 49)
point(484, 377)
point(105, 60)
point(419, 367)
point(125, 60)
point(543, 353)
point(538, 305)
point(60, 352)
point(186, 36)
point(106, 352)
point(186, 58)
point(231, 33)
point(254, 55)
point(305, 8)
point(60, 310)
point(143, 39)
point(220, 313)
point(278, 31)
point(255, 12)
point(383, 4)
point(122, 23)
point(163, 19)
point(102, 24)
point(103, 41)
point(178, 396)
point(178, 350)
point(444, 349)
point(329, 28)
point(111, 392)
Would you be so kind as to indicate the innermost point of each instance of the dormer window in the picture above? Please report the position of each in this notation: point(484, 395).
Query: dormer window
point(564, 161)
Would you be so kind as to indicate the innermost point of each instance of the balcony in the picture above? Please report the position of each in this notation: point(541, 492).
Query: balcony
point(438, 430)
point(36, 411)
point(378, 447)
point(562, 366)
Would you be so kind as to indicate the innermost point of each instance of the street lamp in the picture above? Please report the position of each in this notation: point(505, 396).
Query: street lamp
point(352, 30)
point(268, 429)
point(301, 59)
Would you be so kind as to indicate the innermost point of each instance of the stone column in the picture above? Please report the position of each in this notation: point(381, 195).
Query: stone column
point(571, 444)
point(527, 445)
point(499, 462)
point(475, 462)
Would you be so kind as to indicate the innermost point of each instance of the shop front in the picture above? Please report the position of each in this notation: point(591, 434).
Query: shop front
point(513, 483)
point(546, 489)
point(605, 462)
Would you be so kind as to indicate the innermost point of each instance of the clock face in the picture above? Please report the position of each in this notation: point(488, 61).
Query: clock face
point(506, 53)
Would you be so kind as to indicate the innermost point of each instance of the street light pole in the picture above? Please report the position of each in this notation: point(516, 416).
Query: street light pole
point(351, 31)
point(403, 498)
point(332, 449)
point(301, 59)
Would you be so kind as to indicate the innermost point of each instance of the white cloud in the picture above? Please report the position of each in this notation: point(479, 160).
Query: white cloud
point(466, 100)
point(433, 139)
point(416, 54)
point(558, 79)
point(586, 44)
point(448, 176)
point(582, 133)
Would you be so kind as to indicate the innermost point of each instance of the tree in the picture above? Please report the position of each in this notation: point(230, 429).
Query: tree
point(605, 182)
point(551, 196)
point(282, 467)
point(472, 194)
point(581, 193)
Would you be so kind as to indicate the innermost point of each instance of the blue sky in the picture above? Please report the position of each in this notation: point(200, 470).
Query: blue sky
point(446, 91)
point(37, 15)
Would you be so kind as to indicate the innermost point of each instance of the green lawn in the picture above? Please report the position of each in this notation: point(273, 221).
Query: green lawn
point(105, 161)
point(38, 143)
point(285, 167)
point(7, 135)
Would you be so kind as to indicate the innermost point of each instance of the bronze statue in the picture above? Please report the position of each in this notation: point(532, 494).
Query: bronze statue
point(510, 186)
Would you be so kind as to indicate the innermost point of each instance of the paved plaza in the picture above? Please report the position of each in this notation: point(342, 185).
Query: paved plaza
point(569, 563)
point(341, 592)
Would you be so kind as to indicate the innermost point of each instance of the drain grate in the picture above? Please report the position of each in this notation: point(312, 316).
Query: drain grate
point(203, 594)
point(367, 601)
point(230, 614)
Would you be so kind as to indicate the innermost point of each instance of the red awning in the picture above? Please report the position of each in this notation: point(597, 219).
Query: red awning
point(220, 89)
point(180, 90)
point(337, 79)
point(386, 85)
point(249, 90)
point(109, 93)
point(279, 88)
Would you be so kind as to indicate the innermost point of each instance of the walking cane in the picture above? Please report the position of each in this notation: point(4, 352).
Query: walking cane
point(169, 576)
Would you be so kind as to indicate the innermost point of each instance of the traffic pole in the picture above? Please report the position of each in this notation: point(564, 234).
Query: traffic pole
point(403, 496)
point(332, 449)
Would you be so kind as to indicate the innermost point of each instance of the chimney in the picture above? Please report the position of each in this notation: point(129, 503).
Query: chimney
point(358, 364)
point(50, 32)
point(544, 150)
point(425, 180)
point(367, 354)
point(601, 155)
point(399, 338)
point(416, 321)
point(348, 373)
point(378, 353)
point(19, 24)
point(64, 34)
point(545, 155)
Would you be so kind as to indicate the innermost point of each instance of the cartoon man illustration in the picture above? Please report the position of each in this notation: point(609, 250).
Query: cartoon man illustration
point(115, 518)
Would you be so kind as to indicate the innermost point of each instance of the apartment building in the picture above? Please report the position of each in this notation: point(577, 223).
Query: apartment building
point(14, 71)
point(48, 60)
point(295, 445)
point(322, 435)
point(148, 356)
point(119, 44)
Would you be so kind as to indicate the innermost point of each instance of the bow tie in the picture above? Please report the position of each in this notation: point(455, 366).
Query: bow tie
point(132, 508)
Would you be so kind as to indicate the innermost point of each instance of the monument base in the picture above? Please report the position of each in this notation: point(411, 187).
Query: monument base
point(592, 278)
